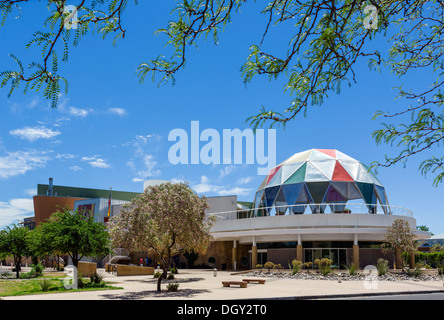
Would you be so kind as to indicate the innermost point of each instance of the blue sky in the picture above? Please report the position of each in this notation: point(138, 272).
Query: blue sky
point(111, 131)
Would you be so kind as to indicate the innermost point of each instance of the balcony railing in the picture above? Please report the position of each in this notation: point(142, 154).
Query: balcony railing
point(313, 208)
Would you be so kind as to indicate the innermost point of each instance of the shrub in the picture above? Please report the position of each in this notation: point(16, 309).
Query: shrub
point(172, 287)
point(96, 278)
point(296, 264)
point(416, 273)
point(6, 274)
point(157, 274)
point(441, 269)
point(278, 266)
point(324, 265)
point(80, 283)
point(352, 268)
point(173, 270)
point(382, 266)
point(307, 265)
point(37, 269)
point(45, 284)
point(269, 265)
point(170, 276)
point(259, 266)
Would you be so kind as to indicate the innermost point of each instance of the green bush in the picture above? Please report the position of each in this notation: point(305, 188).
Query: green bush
point(382, 266)
point(352, 269)
point(441, 269)
point(434, 259)
point(96, 278)
point(45, 284)
point(324, 265)
point(80, 283)
point(173, 270)
point(170, 276)
point(172, 287)
point(296, 266)
point(269, 265)
point(37, 269)
point(416, 273)
point(157, 274)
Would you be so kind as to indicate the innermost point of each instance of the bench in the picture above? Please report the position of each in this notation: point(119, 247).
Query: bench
point(242, 284)
point(260, 281)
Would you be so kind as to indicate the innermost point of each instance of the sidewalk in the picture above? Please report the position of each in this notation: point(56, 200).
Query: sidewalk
point(202, 285)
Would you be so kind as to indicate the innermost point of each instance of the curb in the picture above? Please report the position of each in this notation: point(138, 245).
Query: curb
point(353, 295)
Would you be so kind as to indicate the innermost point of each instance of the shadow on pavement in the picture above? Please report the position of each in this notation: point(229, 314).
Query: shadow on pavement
point(181, 293)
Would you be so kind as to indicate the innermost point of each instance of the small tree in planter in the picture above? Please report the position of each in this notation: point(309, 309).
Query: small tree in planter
point(399, 238)
point(166, 218)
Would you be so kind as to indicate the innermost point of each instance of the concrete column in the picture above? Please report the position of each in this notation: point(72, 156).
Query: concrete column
point(412, 260)
point(254, 254)
point(355, 250)
point(234, 255)
point(299, 251)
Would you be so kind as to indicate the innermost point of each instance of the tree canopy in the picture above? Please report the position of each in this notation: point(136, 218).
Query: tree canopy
point(327, 40)
point(14, 242)
point(166, 218)
point(76, 235)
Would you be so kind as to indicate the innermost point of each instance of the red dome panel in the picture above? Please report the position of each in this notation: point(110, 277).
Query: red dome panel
point(340, 174)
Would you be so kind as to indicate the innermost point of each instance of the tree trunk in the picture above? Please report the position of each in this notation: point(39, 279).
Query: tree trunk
point(398, 259)
point(17, 261)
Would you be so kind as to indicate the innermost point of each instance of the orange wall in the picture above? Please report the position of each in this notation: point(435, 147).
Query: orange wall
point(44, 206)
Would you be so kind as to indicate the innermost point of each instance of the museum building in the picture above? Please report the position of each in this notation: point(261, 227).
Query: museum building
point(319, 203)
point(316, 204)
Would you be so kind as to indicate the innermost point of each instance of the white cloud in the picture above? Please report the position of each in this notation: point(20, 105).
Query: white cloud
point(34, 133)
point(96, 162)
point(64, 156)
point(15, 209)
point(78, 112)
point(235, 191)
point(226, 171)
point(19, 162)
point(75, 168)
point(143, 164)
point(205, 186)
point(244, 180)
point(118, 111)
point(31, 192)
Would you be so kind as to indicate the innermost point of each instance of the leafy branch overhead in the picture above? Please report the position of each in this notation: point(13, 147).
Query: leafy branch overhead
point(61, 36)
point(327, 41)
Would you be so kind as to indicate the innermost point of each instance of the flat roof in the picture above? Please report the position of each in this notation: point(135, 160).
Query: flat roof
point(64, 191)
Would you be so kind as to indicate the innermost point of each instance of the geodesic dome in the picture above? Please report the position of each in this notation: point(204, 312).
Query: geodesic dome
point(319, 177)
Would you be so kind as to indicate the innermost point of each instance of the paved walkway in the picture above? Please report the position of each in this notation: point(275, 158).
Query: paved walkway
point(202, 285)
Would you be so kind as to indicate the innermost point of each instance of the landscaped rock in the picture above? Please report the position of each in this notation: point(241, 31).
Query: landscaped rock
point(344, 276)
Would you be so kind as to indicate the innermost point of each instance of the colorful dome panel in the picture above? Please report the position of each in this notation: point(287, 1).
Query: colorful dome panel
point(317, 177)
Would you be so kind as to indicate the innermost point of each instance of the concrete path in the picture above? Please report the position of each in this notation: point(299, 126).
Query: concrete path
point(202, 285)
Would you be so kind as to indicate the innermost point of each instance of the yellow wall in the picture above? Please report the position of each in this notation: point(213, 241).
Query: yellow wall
point(124, 270)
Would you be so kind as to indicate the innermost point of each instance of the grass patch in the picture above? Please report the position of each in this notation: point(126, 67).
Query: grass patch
point(52, 285)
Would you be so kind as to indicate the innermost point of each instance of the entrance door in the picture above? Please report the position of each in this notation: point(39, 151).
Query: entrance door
point(338, 256)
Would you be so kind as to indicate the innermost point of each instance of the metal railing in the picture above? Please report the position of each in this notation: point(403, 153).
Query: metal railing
point(313, 208)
